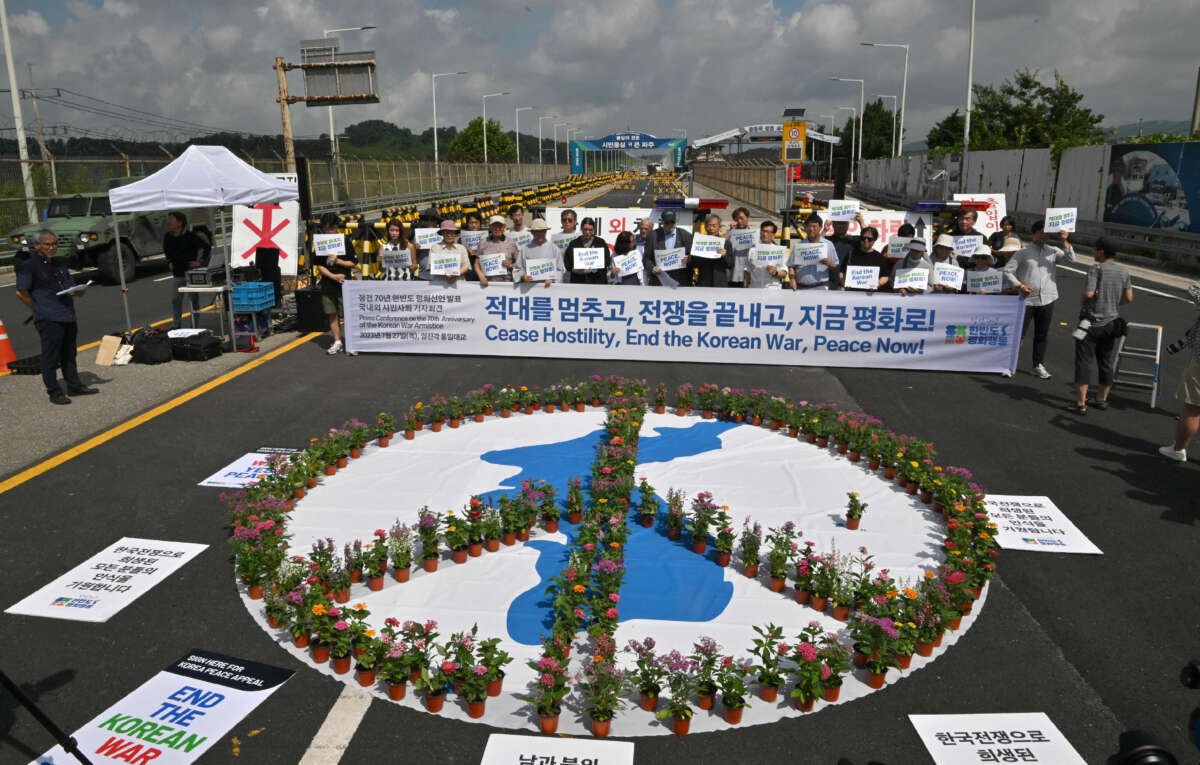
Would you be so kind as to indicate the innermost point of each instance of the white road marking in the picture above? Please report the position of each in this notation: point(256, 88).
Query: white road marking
point(333, 738)
point(164, 278)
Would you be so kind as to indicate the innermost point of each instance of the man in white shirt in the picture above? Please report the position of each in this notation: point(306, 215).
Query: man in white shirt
point(741, 223)
point(816, 275)
point(763, 277)
point(538, 249)
point(1032, 272)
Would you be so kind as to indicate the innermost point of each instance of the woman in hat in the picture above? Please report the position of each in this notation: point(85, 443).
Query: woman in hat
point(496, 244)
point(1007, 248)
point(914, 259)
point(943, 255)
point(982, 264)
point(449, 246)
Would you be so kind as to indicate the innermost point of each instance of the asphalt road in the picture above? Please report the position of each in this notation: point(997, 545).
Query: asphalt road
point(1094, 641)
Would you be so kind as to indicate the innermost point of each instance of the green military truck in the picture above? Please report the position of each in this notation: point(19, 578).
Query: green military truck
point(84, 225)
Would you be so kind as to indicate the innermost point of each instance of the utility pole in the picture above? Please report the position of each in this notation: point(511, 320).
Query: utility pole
point(962, 173)
point(37, 120)
point(1196, 105)
point(289, 148)
point(15, 93)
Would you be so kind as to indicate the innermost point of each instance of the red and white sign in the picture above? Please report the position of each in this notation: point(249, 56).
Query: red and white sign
point(267, 225)
point(988, 222)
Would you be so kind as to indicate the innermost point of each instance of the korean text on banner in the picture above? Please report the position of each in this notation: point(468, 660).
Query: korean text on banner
point(705, 246)
point(843, 209)
point(178, 714)
point(965, 246)
point(968, 333)
point(325, 245)
point(768, 255)
point(912, 279)
point(897, 246)
point(426, 237)
point(98, 588)
point(628, 264)
point(987, 282)
point(541, 268)
point(471, 239)
point(522, 238)
point(862, 277)
point(1003, 737)
point(493, 265)
point(589, 258)
point(1060, 219)
point(948, 275)
point(743, 238)
point(1035, 523)
point(807, 253)
point(669, 260)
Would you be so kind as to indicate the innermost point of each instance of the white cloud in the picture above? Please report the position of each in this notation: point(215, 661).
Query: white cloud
point(29, 23)
point(119, 8)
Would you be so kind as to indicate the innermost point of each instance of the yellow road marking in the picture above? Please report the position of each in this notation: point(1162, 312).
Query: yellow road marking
point(162, 408)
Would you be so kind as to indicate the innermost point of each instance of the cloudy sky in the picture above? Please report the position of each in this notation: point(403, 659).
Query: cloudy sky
point(703, 65)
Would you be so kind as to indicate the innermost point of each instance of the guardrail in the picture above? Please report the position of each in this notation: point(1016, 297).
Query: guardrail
point(416, 197)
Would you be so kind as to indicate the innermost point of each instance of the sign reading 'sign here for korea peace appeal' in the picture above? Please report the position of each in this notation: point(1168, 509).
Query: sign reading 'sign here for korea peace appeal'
point(1006, 737)
point(177, 715)
point(95, 590)
point(976, 333)
point(1035, 523)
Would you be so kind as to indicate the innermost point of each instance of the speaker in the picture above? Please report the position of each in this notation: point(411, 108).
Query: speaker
point(303, 187)
point(841, 169)
point(267, 260)
point(310, 316)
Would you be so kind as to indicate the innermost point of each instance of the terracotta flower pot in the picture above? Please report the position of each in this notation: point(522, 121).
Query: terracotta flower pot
point(311, 483)
point(475, 709)
point(273, 622)
point(822, 441)
point(455, 422)
point(860, 658)
point(479, 417)
point(355, 452)
point(434, 701)
point(648, 701)
point(938, 643)
point(889, 473)
point(396, 691)
point(673, 534)
point(402, 574)
point(818, 602)
point(320, 653)
point(911, 487)
point(842, 448)
point(429, 564)
point(552, 526)
point(341, 665)
point(924, 649)
point(414, 675)
point(491, 545)
point(579, 407)
point(356, 576)
point(768, 693)
point(549, 408)
point(756, 421)
point(574, 516)
point(549, 724)
point(699, 546)
point(803, 704)
point(475, 549)
point(872, 463)
point(660, 409)
point(330, 469)
point(647, 521)
point(523, 535)
point(810, 437)
point(776, 424)
point(739, 418)
point(876, 679)
point(954, 623)
point(298, 492)
point(529, 410)
point(803, 597)
point(680, 727)
point(342, 596)
point(255, 591)
point(926, 496)
point(706, 414)
point(705, 700)
point(855, 456)
point(509, 538)
point(494, 687)
point(777, 584)
point(733, 716)
point(831, 692)
point(342, 462)
point(841, 613)
point(903, 660)
point(938, 507)
point(375, 582)
point(682, 411)
point(723, 559)
point(289, 506)
point(409, 434)
point(301, 641)
point(968, 607)
point(505, 413)
point(460, 556)
point(852, 523)
point(366, 677)
point(750, 570)
point(436, 427)
point(600, 728)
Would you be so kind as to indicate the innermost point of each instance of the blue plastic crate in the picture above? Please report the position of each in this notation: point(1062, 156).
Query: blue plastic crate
point(255, 296)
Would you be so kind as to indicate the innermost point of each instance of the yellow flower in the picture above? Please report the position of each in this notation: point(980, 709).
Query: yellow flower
point(578, 588)
point(629, 461)
point(912, 626)
point(914, 463)
point(935, 467)
point(419, 405)
point(449, 512)
point(318, 609)
point(602, 501)
point(312, 440)
point(930, 575)
point(956, 552)
point(523, 388)
point(991, 525)
point(911, 594)
point(984, 535)
point(892, 593)
point(854, 494)
point(618, 393)
point(370, 633)
point(359, 606)
point(451, 528)
point(635, 423)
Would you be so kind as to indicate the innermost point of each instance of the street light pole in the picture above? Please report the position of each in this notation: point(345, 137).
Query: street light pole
point(962, 174)
point(831, 118)
point(517, 127)
point(885, 95)
point(485, 98)
point(436, 176)
point(333, 149)
point(557, 125)
point(903, 88)
point(15, 92)
point(542, 151)
point(862, 112)
point(853, 112)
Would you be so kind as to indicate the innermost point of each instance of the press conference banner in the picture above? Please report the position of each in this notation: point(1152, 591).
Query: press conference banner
point(961, 333)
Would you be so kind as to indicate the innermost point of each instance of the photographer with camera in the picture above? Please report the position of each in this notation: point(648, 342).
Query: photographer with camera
point(1100, 324)
point(1189, 388)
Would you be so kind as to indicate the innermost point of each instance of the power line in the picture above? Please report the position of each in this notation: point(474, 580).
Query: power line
point(154, 115)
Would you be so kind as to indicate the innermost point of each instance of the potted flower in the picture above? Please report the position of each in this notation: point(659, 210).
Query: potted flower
point(647, 503)
point(675, 499)
point(457, 408)
point(339, 584)
point(545, 494)
point(750, 541)
point(437, 411)
point(805, 573)
point(706, 654)
point(455, 531)
point(731, 679)
point(824, 579)
point(604, 686)
point(660, 398)
point(529, 397)
point(706, 396)
point(769, 650)
point(395, 661)
point(683, 402)
point(704, 512)
point(432, 681)
point(877, 636)
point(807, 669)
point(777, 411)
point(835, 660)
point(507, 399)
point(492, 529)
point(412, 423)
point(724, 538)
point(400, 549)
point(511, 519)
point(473, 688)
point(355, 560)
point(574, 499)
point(428, 524)
point(477, 403)
point(370, 650)
point(385, 428)
point(649, 672)
point(548, 690)
point(681, 680)
point(420, 640)
point(758, 402)
point(579, 397)
point(495, 660)
point(783, 550)
point(854, 510)
point(474, 515)
point(340, 642)
point(375, 560)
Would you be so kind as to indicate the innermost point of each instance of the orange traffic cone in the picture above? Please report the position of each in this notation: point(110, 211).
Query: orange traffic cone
point(6, 349)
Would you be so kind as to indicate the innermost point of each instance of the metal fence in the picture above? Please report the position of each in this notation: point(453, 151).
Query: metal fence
point(755, 182)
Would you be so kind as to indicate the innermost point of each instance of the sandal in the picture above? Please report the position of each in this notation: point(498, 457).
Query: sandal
point(1101, 405)
point(1077, 409)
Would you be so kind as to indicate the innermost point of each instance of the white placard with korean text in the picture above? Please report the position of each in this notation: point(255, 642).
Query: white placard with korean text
point(325, 245)
point(843, 209)
point(493, 264)
point(507, 749)
point(1036, 523)
point(763, 255)
point(807, 253)
point(398, 258)
point(988, 282)
point(178, 714)
point(862, 277)
point(541, 268)
point(669, 260)
point(426, 237)
point(471, 239)
point(1060, 219)
point(98, 588)
point(589, 258)
point(743, 238)
point(948, 275)
point(522, 238)
point(965, 246)
point(628, 264)
point(705, 246)
point(444, 264)
point(911, 278)
point(973, 739)
point(561, 240)
point(897, 246)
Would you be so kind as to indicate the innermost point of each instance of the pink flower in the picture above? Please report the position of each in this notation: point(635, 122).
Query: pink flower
point(448, 667)
point(579, 613)
point(614, 597)
point(334, 611)
point(480, 669)
point(955, 577)
point(783, 648)
point(589, 546)
point(807, 652)
point(825, 672)
point(547, 679)
point(611, 613)
point(380, 533)
point(340, 625)
point(605, 470)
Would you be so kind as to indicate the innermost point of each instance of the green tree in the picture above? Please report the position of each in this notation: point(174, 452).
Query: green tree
point(947, 134)
point(467, 146)
point(876, 129)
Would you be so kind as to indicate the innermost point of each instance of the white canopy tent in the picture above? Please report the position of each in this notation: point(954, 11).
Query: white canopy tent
point(203, 176)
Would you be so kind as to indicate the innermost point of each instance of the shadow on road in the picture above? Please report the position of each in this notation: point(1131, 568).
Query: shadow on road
point(9, 706)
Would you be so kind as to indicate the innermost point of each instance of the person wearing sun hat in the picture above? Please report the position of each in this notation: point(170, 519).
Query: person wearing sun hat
point(449, 245)
point(943, 255)
point(914, 259)
point(1005, 250)
point(539, 249)
point(496, 242)
point(1188, 391)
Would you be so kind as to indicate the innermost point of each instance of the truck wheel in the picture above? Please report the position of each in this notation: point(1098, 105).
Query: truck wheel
point(107, 264)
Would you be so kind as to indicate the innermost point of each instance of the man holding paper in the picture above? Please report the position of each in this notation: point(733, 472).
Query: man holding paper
point(672, 246)
point(496, 255)
point(765, 264)
point(814, 259)
point(448, 259)
point(911, 275)
point(947, 275)
point(866, 269)
point(586, 257)
point(45, 286)
point(539, 260)
point(738, 243)
point(712, 272)
point(1032, 271)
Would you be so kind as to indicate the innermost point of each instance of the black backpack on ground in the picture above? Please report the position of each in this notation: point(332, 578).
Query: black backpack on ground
point(151, 346)
point(198, 347)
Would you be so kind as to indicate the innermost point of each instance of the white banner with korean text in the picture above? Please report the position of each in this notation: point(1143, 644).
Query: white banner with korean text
point(961, 333)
